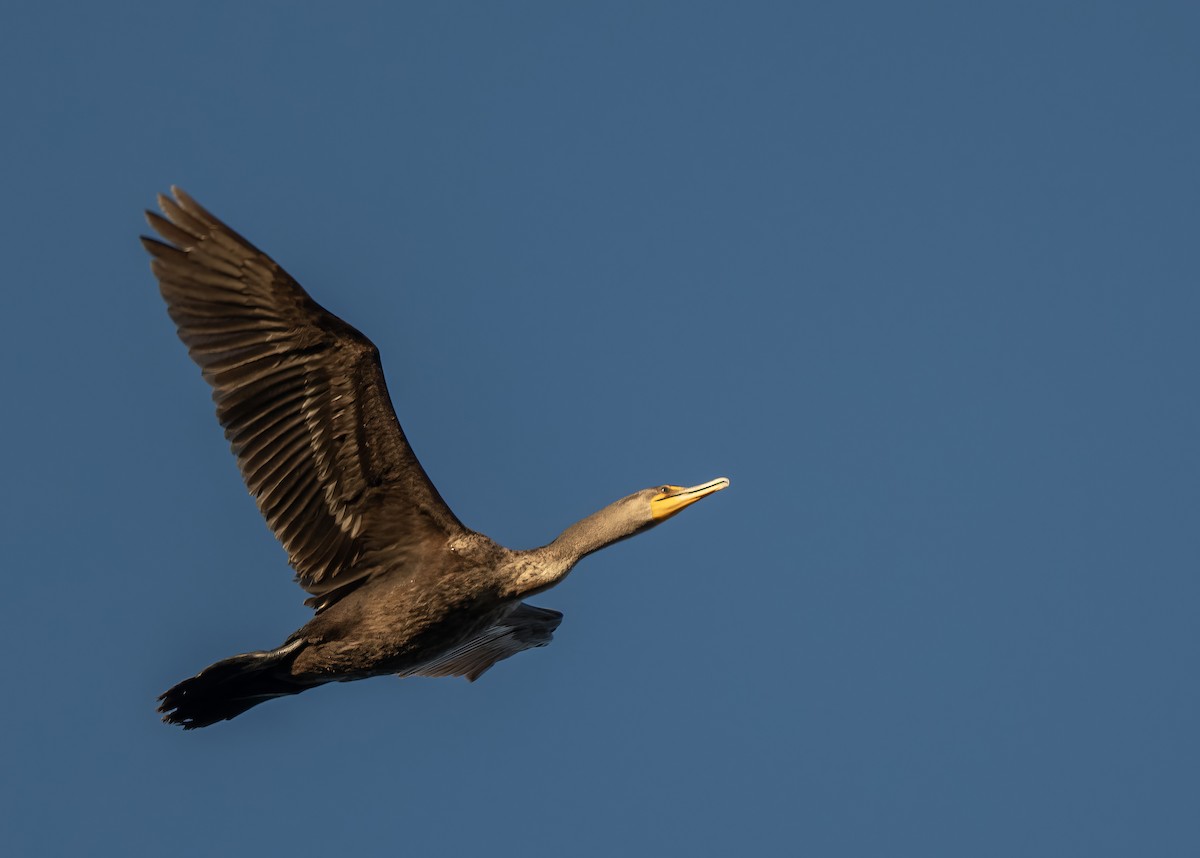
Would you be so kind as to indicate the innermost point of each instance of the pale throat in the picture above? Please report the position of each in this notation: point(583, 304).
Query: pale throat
point(544, 567)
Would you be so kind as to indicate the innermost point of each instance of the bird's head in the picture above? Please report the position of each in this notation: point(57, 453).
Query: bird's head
point(649, 507)
point(666, 501)
point(629, 516)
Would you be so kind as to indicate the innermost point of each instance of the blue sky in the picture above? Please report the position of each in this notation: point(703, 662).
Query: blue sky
point(921, 279)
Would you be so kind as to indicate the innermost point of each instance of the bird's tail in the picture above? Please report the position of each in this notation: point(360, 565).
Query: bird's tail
point(228, 688)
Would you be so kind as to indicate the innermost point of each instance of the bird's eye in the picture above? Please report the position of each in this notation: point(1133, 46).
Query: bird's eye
point(664, 489)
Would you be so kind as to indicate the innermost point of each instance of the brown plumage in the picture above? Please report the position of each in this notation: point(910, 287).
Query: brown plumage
point(399, 585)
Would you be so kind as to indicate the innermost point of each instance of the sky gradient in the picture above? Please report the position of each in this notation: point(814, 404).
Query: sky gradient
point(921, 279)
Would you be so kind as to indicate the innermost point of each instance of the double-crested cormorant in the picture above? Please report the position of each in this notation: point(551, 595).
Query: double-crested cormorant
point(399, 585)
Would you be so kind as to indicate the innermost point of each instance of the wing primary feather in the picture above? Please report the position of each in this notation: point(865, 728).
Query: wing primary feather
point(301, 396)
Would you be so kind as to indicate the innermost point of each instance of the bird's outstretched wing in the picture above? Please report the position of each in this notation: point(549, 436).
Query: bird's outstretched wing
point(525, 627)
point(303, 401)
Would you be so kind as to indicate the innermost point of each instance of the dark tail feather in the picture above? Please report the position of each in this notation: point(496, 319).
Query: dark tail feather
point(228, 688)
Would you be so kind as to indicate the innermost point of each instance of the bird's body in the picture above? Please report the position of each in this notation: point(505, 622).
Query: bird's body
point(426, 607)
point(399, 585)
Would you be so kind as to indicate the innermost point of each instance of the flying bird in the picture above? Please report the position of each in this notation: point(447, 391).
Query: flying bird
point(399, 585)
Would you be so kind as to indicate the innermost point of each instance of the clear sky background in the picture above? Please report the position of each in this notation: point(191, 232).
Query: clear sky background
point(922, 279)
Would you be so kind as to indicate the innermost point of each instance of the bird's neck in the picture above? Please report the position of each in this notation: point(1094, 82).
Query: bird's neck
point(588, 535)
point(546, 566)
